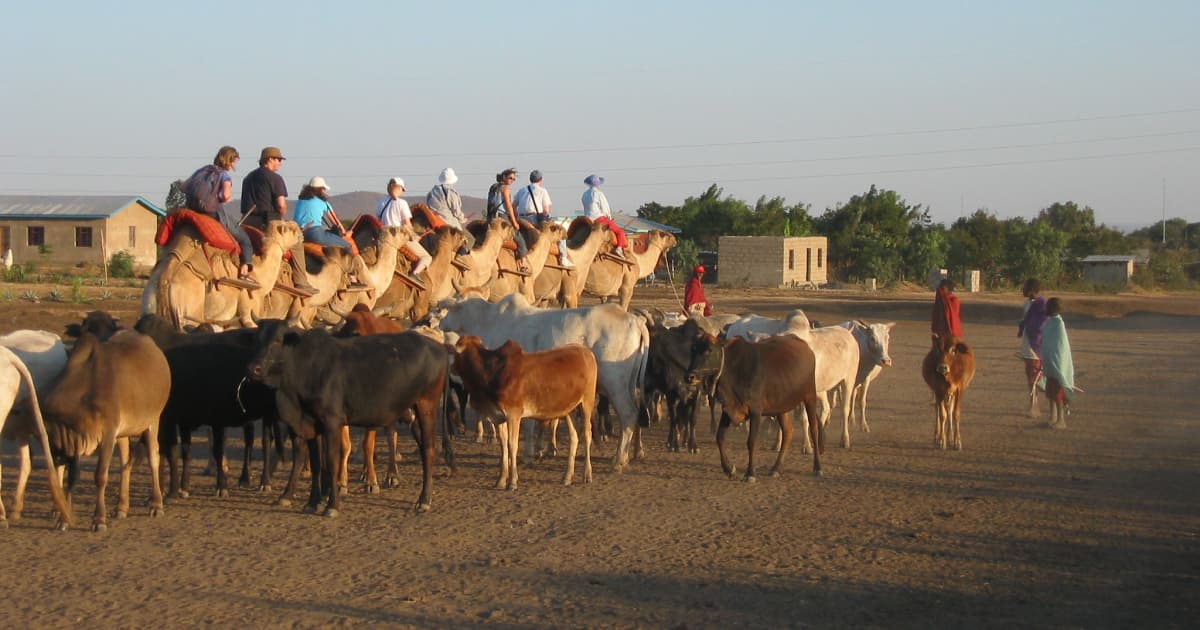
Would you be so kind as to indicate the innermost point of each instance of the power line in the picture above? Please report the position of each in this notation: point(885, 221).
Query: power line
point(510, 153)
point(700, 165)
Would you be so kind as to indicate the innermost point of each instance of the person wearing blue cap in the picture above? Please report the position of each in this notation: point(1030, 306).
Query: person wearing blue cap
point(533, 205)
point(595, 207)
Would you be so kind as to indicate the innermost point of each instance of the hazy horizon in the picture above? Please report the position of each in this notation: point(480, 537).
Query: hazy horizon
point(1007, 107)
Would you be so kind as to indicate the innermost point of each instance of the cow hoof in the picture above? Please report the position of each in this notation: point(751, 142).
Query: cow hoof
point(750, 479)
point(223, 493)
point(3, 524)
point(343, 491)
point(99, 527)
point(845, 443)
point(422, 508)
point(264, 488)
point(331, 513)
point(392, 483)
point(122, 514)
point(371, 488)
point(817, 473)
point(243, 483)
point(774, 474)
point(156, 512)
point(283, 502)
point(310, 509)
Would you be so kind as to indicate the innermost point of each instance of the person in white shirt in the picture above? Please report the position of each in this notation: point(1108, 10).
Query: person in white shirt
point(595, 207)
point(394, 210)
point(533, 205)
point(445, 201)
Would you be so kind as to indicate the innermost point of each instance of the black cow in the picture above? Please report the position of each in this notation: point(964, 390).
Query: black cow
point(102, 324)
point(209, 388)
point(666, 373)
point(323, 383)
point(756, 379)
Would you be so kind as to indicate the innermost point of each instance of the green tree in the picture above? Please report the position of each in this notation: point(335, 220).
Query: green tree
point(977, 242)
point(867, 233)
point(1033, 250)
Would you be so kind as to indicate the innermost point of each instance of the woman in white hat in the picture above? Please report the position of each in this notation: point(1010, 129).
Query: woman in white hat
point(394, 210)
point(316, 218)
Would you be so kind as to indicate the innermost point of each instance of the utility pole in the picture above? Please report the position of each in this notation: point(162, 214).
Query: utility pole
point(1164, 212)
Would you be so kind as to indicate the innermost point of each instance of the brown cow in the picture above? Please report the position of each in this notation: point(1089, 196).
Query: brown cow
point(771, 377)
point(948, 369)
point(109, 392)
point(510, 384)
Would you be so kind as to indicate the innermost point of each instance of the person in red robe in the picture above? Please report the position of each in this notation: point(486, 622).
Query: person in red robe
point(694, 293)
point(945, 311)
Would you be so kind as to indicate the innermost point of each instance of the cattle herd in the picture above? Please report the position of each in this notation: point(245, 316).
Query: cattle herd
point(469, 335)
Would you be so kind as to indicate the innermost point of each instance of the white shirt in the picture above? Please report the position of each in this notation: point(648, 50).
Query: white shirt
point(525, 200)
point(595, 205)
point(393, 211)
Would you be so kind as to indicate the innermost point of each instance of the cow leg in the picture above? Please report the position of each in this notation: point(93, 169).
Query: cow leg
point(513, 425)
point(185, 454)
point(502, 482)
point(336, 460)
point(585, 425)
point(264, 483)
point(247, 453)
point(957, 421)
point(751, 444)
point(368, 445)
point(785, 431)
point(805, 426)
point(393, 473)
point(860, 401)
point(316, 492)
point(816, 433)
point(171, 446)
point(23, 470)
point(100, 517)
point(126, 468)
point(427, 414)
point(343, 470)
point(150, 439)
point(844, 400)
point(299, 452)
point(572, 449)
point(218, 450)
point(721, 429)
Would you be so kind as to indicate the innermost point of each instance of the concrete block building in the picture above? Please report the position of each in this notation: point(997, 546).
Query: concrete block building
point(773, 261)
point(72, 230)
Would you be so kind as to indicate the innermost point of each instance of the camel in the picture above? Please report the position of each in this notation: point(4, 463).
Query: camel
point(331, 279)
point(376, 275)
point(482, 259)
point(608, 278)
point(548, 235)
point(402, 299)
point(566, 286)
point(184, 286)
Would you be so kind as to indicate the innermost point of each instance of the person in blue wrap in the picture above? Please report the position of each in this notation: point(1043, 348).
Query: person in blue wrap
point(1058, 367)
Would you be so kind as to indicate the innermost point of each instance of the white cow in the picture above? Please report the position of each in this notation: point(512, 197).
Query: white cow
point(619, 340)
point(18, 388)
point(873, 341)
point(837, 358)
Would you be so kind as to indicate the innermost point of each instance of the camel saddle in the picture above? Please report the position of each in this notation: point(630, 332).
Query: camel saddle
point(210, 230)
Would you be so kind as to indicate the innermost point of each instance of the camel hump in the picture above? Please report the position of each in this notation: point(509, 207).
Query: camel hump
point(578, 231)
point(478, 229)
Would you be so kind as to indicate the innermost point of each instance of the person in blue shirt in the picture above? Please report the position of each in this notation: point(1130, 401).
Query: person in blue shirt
point(315, 216)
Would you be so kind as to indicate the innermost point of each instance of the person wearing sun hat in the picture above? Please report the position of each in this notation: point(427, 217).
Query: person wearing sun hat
point(694, 293)
point(445, 201)
point(394, 210)
point(314, 213)
point(595, 207)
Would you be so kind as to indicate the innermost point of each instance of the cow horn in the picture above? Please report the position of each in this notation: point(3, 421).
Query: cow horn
point(336, 311)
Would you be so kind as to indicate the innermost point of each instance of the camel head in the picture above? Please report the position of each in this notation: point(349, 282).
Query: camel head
point(664, 239)
point(501, 227)
point(396, 236)
point(285, 233)
point(553, 231)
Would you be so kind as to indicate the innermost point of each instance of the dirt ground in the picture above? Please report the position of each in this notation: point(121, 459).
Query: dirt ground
point(1093, 526)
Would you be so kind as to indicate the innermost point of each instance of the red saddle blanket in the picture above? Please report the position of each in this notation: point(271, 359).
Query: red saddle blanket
point(209, 228)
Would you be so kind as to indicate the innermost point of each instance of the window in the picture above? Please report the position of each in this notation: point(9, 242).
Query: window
point(83, 237)
point(820, 258)
point(36, 236)
point(5, 239)
point(132, 237)
point(791, 259)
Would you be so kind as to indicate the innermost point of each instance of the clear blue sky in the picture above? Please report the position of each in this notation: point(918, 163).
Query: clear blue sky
point(1011, 106)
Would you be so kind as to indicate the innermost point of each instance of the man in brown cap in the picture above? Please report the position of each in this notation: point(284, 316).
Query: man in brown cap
point(264, 199)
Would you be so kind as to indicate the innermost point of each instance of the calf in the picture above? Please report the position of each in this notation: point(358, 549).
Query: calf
point(755, 379)
point(666, 374)
point(510, 384)
point(109, 392)
point(948, 369)
point(18, 388)
point(323, 383)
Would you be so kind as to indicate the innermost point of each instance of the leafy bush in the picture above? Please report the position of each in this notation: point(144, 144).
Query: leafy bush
point(120, 264)
point(15, 273)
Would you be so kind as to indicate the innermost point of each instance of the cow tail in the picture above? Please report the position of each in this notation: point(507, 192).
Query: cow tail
point(56, 491)
point(639, 383)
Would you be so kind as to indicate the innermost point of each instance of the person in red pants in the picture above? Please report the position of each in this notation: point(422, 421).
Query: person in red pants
point(595, 207)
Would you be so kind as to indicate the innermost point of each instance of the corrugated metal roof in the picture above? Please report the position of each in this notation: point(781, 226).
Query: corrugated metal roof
point(54, 207)
point(638, 224)
point(1097, 258)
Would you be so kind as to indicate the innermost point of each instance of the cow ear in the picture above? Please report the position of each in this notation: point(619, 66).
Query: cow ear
point(74, 330)
point(889, 325)
point(291, 339)
point(962, 348)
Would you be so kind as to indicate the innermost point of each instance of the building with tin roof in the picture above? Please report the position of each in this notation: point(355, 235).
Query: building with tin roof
point(69, 230)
